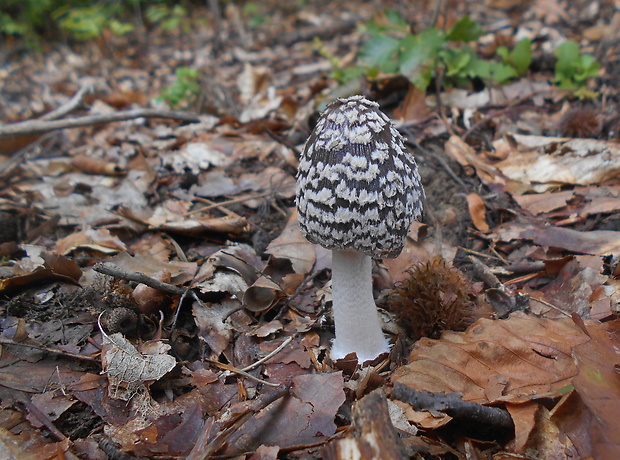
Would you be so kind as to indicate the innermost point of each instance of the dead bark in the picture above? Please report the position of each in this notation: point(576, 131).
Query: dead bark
point(373, 435)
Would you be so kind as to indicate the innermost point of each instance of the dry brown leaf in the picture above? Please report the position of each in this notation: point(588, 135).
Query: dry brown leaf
point(477, 211)
point(516, 360)
point(544, 162)
point(524, 419)
point(598, 384)
point(595, 242)
point(292, 245)
point(262, 295)
point(130, 371)
point(305, 416)
point(92, 165)
point(465, 155)
point(100, 240)
point(211, 321)
point(180, 272)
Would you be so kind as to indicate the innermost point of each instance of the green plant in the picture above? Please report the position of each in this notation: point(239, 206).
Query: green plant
point(573, 68)
point(341, 73)
point(81, 19)
point(88, 22)
point(252, 11)
point(25, 18)
point(166, 16)
point(185, 90)
point(392, 49)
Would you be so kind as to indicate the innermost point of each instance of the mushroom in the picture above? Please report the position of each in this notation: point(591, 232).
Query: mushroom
point(358, 191)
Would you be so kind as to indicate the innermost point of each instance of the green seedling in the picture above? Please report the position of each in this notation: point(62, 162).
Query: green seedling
point(184, 91)
point(169, 18)
point(88, 22)
point(392, 49)
point(573, 68)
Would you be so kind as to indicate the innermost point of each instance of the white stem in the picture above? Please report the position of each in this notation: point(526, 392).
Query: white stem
point(358, 327)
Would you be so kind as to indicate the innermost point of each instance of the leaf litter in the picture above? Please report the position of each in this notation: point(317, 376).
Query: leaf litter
point(197, 219)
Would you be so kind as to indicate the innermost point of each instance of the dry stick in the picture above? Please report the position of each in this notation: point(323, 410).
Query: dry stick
point(21, 153)
point(479, 254)
point(226, 203)
point(550, 305)
point(454, 406)
point(113, 270)
point(233, 369)
point(281, 140)
point(270, 355)
point(441, 161)
point(43, 126)
point(70, 105)
point(224, 209)
point(435, 16)
point(511, 106)
point(55, 351)
point(44, 419)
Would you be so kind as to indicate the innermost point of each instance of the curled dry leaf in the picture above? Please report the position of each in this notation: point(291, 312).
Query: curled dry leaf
point(515, 360)
point(545, 162)
point(129, 371)
point(477, 211)
point(595, 242)
point(262, 295)
point(211, 321)
point(91, 165)
point(292, 245)
point(150, 299)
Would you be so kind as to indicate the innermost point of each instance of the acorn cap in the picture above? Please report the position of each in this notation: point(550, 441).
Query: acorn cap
point(357, 187)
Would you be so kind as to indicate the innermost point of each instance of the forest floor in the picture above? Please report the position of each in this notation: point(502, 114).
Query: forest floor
point(157, 299)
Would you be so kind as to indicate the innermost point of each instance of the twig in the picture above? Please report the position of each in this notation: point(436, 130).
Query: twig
point(54, 351)
point(484, 274)
point(232, 426)
point(435, 16)
point(113, 270)
point(43, 419)
point(270, 355)
point(234, 370)
point(479, 254)
point(42, 126)
point(21, 153)
point(280, 140)
point(70, 105)
point(226, 203)
point(550, 305)
point(441, 161)
point(454, 406)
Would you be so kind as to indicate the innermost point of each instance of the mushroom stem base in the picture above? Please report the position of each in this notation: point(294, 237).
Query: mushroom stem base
point(358, 327)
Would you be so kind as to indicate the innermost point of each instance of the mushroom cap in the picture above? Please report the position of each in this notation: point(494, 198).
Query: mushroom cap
point(357, 187)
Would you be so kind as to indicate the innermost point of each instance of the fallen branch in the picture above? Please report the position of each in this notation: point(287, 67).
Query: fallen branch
point(54, 351)
point(454, 406)
point(116, 272)
point(39, 126)
point(70, 105)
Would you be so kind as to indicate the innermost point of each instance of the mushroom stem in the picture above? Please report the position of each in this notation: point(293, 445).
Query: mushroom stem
point(358, 327)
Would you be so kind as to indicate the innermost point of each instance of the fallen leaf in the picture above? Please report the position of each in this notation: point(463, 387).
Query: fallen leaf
point(514, 360)
point(130, 371)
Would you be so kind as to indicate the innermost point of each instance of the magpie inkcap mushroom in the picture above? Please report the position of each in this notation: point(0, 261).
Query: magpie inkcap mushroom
point(358, 191)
